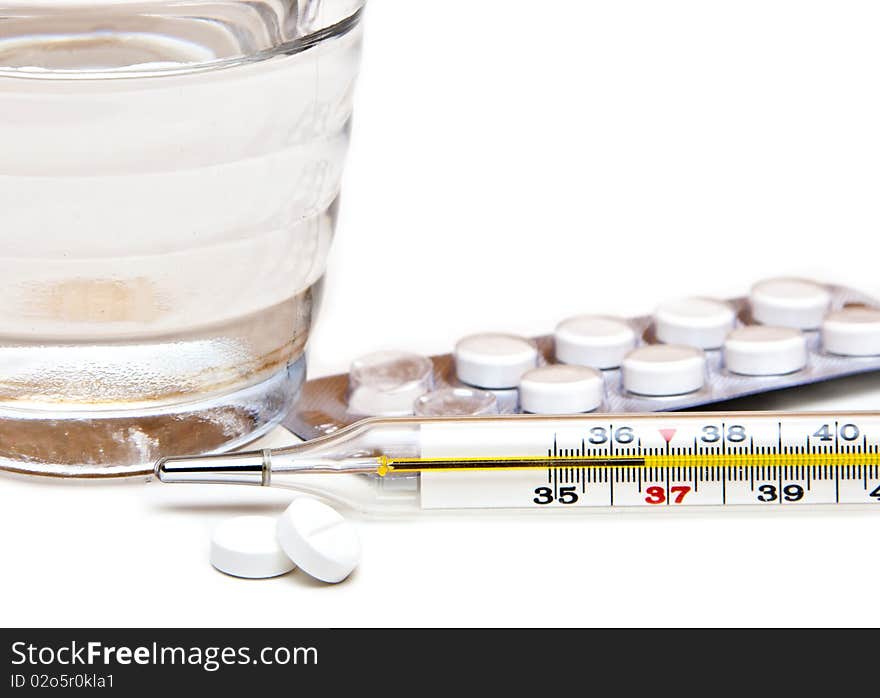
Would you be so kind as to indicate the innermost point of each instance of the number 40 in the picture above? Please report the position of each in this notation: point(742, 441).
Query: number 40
point(848, 432)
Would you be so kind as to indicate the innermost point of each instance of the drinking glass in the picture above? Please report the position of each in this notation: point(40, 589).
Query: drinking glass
point(169, 179)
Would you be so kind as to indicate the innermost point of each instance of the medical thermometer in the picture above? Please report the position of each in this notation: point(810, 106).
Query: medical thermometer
point(547, 463)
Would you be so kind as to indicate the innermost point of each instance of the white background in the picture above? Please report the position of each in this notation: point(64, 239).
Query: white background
point(515, 162)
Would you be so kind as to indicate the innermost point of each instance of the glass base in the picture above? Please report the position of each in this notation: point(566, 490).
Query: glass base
point(126, 443)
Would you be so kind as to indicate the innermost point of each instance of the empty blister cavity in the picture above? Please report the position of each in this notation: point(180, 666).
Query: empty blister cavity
point(765, 351)
point(664, 369)
point(852, 332)
point(456, 402)
point(696, 322)
point(494, 360)
point(795, 303)
point(508, 400)
point(247, 546)
point(387, 383)
point(561, 389)
point(596, 341)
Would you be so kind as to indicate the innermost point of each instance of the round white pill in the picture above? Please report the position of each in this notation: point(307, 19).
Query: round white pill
point(664, 369)
point(247, 546)
point(696, 322)
point(387, 383)
point(852, 332)
point(494, 360)
point(456, 402)
point(319, 540)
point(561, 389)
point(765, 351)
point(593, 340)
point(789, 303)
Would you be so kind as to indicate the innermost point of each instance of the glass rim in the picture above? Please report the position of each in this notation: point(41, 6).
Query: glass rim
point(286, 48)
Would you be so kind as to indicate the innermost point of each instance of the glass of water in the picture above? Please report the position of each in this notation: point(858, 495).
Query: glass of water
point(169, 176)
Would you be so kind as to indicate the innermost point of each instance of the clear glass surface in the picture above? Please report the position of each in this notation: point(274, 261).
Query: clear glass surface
point(169, 181)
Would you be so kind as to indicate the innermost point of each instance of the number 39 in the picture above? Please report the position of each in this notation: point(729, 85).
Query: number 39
point(790, 493)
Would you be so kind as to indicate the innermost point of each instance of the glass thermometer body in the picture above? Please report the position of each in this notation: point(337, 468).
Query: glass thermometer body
point(387, 466)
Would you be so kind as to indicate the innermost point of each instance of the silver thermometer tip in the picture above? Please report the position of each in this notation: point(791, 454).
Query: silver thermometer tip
point(251, 468)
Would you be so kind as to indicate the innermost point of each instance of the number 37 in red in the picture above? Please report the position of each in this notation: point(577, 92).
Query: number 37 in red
point(657, 495)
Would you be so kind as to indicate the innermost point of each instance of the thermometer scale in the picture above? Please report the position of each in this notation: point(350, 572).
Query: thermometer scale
point(538, 462)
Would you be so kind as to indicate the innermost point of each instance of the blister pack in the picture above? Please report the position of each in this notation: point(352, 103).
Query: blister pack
point(690, 352)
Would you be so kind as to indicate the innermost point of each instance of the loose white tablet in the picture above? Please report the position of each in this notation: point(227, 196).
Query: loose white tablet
point(597, 341)
point(664, 369)
point(793, 303)
point(852, 332)
point(696, 322)
point(765, 351)
point(494, 360)
point(387, 383)
point(561, 389)
point(456, 402)
point(247, 546)
point(319, 540)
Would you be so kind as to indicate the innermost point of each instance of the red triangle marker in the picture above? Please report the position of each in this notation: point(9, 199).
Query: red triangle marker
point(667, 434)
